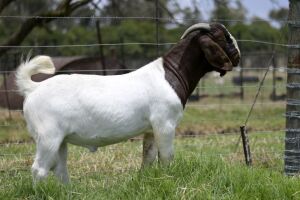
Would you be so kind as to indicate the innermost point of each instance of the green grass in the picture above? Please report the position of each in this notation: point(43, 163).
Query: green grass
point(208, 164)
point(205, 167)
point(189, 177)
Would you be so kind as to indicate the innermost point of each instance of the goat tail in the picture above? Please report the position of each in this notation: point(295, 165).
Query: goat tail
point(39, 64)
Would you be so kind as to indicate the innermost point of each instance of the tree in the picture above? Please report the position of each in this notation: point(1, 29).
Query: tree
point(4, 4)
point(64, 8)
point(279, 15)
point(225, 12)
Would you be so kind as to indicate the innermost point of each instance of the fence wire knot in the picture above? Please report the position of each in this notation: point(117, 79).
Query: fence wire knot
point(293, 85)
point(293, 114)
point(293, 71)
point(293, 102)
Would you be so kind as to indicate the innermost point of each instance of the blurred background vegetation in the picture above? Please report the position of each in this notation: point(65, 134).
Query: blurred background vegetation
point(175, 18)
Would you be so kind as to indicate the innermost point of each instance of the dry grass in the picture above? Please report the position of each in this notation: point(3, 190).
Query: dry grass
point(208, 164)
point(205, 167)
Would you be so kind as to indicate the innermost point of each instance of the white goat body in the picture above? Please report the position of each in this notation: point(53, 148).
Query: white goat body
point(93, 111)
point(99, 110)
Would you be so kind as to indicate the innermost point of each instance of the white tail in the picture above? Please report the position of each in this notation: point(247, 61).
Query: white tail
point(39, 64)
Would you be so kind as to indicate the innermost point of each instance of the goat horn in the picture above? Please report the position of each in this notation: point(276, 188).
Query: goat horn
point(199, 26)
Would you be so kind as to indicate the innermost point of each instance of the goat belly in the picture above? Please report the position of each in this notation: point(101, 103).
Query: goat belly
point(90, 110)
point(92, 142)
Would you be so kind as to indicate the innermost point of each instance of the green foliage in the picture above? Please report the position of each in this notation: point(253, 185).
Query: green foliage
point(260, 31)
point(279, 15)
point(83, 31)
point(225, 12)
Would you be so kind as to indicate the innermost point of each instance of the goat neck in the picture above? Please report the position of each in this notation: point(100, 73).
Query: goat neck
point(184, 65)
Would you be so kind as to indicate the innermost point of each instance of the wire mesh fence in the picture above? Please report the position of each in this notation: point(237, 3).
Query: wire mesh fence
point(212, 93)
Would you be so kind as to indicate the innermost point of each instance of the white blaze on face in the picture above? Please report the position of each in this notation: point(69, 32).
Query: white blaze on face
point(233, 40)
point(235, 43)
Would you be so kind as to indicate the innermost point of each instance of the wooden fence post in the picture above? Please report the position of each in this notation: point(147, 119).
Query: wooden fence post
point(246, 145)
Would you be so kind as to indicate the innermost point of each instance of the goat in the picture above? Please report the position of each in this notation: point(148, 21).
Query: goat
point(94, 111)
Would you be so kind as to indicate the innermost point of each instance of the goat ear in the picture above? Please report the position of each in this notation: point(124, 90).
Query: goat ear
point(214, 54)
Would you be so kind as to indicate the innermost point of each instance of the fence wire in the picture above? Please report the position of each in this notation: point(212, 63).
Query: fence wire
point(141, 18)
point(205, 87)
point(277, 153)
point(136, 43)
point(278, 69)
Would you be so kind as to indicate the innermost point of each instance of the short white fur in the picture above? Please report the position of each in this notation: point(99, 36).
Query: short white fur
point(94, 111)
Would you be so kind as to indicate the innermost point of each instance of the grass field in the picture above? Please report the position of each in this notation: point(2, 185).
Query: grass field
point(208, 162)
point(206, 167)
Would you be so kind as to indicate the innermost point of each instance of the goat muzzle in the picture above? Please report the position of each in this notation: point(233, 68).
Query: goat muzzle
point(233, 54)
point(224, 39)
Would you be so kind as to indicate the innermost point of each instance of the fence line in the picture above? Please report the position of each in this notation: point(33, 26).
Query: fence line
point(135, 43)
point(200, 153)
point(140, 18)
point(214, 134)
point(238, 86)
point(235, 104)
point(223, 104)
point(198, 120)
point(89, 45)
point(84, 70)
point(269, 43)
point(204, 87)
point(279, 69)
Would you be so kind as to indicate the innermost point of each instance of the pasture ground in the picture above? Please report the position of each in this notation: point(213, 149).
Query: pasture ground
point(206, 167)
point(208, 162)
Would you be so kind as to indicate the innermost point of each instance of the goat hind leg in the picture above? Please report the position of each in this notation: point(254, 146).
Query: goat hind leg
point(46, 156)
point(60, 169)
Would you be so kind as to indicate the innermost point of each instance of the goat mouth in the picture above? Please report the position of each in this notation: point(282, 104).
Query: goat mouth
point(221, 71)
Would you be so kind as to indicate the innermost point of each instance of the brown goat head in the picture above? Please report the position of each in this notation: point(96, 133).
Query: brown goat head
point(218, 45)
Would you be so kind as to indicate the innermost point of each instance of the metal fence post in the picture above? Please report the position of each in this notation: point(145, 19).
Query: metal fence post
point(292, 137)
point(99, 37)
point(157, 27)
point(274, 94)
point(6, 72)
point(241, 70)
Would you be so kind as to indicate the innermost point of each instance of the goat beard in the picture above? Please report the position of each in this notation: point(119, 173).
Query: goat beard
point(221, 71)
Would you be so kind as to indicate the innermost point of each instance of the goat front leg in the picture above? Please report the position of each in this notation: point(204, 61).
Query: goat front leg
point(164, 136)
point(149, 150)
